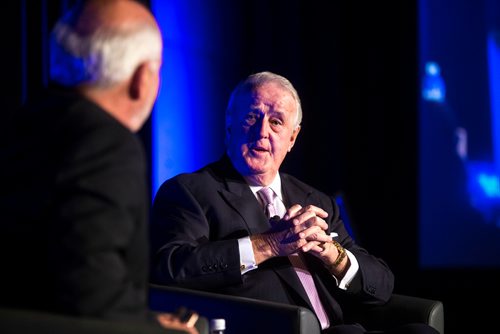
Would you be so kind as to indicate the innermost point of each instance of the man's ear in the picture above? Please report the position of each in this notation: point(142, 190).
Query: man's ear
point(295, 133)
point(293, 138)
point(138, 83)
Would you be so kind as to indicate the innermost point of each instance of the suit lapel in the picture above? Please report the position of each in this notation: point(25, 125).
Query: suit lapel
point(238, 196)
point(292, 193)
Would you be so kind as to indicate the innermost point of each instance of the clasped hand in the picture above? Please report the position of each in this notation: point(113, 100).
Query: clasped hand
point(301, 229)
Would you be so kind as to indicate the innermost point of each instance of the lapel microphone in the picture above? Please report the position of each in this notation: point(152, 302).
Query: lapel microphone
point(274, 220)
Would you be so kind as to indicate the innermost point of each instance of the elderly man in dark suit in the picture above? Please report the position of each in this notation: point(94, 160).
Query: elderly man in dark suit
point(239, 226)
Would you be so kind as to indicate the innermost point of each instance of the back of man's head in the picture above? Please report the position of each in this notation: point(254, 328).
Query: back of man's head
point(101, 43)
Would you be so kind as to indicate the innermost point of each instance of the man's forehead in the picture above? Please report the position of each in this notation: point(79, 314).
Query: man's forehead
point(268, 97)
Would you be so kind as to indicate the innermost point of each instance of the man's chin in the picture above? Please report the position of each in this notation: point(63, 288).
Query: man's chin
point(257, 163)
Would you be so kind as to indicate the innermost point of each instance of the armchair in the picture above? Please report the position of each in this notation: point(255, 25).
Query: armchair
point(243, 315)
point(399, 310)
point(266, 317)
point(250, 316)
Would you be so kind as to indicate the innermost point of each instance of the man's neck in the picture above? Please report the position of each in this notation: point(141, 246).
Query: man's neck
point(262, 180)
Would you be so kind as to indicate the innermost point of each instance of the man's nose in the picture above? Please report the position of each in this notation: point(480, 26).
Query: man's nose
point(262, 127)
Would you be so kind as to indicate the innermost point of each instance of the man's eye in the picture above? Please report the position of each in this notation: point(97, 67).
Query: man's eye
point(250, 119)
point(275, 121)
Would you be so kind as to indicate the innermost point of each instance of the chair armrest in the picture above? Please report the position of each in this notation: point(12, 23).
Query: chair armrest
point(402, 309)
point(243, 315)
point(18, 321)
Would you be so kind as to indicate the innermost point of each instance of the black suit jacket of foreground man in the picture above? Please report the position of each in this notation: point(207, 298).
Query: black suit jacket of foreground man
point(74, 209)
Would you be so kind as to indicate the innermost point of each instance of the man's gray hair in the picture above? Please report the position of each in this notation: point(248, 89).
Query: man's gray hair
point(103, 58)
point(256, 80)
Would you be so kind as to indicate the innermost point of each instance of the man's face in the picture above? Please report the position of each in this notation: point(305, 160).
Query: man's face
point(262, 132)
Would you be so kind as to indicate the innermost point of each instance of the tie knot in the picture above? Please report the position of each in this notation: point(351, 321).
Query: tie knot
point(267, 195)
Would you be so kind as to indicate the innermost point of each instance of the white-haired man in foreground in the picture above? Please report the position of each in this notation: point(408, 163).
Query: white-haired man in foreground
point(74, 198)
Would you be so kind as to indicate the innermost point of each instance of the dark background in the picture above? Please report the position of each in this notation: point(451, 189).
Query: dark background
point(355, 66)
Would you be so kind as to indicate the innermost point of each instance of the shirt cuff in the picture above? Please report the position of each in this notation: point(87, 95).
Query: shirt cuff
point(351, 272)
point(247, 258)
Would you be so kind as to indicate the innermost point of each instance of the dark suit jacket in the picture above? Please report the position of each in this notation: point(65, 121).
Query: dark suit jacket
point(198, 217)
point(74, 209)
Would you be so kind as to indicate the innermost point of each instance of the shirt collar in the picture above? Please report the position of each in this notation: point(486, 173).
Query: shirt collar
point(275, 185)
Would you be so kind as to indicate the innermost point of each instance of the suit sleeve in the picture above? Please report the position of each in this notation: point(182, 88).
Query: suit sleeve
point(186, 247)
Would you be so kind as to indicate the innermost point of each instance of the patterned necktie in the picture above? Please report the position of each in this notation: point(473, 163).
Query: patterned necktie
point(267, 196)
point(273, 208)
